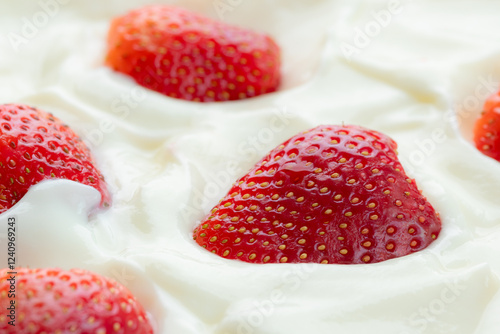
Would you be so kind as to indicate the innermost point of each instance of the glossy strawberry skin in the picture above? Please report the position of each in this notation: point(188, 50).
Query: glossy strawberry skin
point(75, 301)
point(36, 146)
point(487, 128)
point(333, 194)
point(185, 55)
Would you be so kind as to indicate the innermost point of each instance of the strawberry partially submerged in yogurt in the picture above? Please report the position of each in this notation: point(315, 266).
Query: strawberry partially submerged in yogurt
point(75, 301)
point(333, 194)
point(188, 56)
point(487, 128)
point(36, 146)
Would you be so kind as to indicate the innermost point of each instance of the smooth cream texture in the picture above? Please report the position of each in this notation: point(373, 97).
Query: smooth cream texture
point(421, 79)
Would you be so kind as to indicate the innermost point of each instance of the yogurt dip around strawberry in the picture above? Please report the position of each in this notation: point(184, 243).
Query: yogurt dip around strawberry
point(417, 71)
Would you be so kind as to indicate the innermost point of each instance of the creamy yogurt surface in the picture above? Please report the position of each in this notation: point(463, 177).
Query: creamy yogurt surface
point(418, 71)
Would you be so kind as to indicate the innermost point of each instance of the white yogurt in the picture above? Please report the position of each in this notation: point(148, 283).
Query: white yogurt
point(404, 68)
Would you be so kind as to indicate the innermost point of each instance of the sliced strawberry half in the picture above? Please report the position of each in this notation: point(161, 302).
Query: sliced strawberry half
point(188, 56)
point(75, 301)
point(333, 194)
point(487, 128)
point(36, 146)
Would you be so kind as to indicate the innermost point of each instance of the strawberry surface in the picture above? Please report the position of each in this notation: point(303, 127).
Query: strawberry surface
point(187, 56)
point(487, 128)
point(333, 194)
point(36, 146)
point(75, 301)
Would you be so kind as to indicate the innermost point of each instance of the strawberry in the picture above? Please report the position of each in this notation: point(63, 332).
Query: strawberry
point(333, 194)
point(75, 301)
point(487, 128)
point(187, 56)
point(36, 146)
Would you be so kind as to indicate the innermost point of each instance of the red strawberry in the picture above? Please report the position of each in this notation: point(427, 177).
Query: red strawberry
point(36, 146)
point(487, 129)
point(185, 55)
point(75, 301)
point(333, 194)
